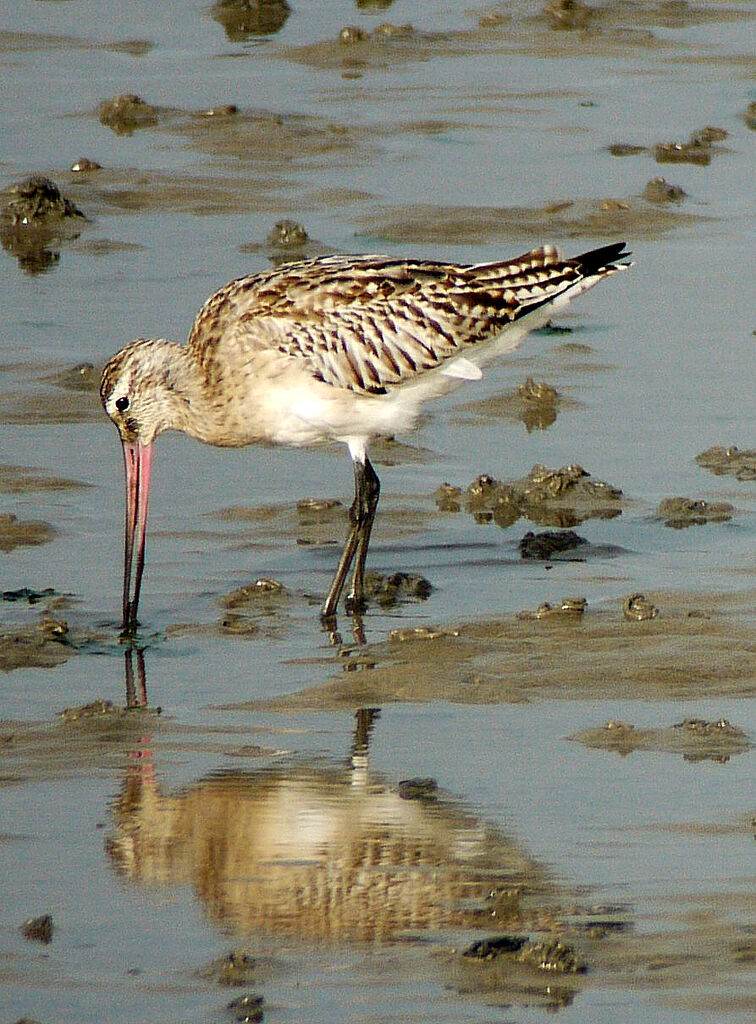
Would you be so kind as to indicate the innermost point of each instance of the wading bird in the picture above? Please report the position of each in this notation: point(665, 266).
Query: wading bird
point(340, 348)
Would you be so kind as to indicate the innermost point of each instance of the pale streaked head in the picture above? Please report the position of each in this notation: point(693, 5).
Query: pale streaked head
point(137, 390)
point(137, 394)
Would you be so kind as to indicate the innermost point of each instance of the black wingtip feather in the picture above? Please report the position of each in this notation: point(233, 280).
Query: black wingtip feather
point(596, 260)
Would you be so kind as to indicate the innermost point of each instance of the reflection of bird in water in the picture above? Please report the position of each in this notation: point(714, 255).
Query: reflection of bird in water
point(323, 853)
point(136, 689)
point(341, 348)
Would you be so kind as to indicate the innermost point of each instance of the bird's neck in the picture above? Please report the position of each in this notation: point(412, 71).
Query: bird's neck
point(182, 390)
point(196, 398)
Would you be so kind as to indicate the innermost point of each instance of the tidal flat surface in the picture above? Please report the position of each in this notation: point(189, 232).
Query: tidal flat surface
point(223, 810)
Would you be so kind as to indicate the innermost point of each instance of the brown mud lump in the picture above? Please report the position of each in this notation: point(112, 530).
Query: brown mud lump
point(546, 544)
point(538, 391)
point(36, 201)
point(287, 234)
point(681, 512)
point(568, 15)
point(38, 929)
point(244, 18)
point(84, 165)
point(126, 113)
point(418, 789)
point(351, 34)
point(496, 945)
point(448, 498)
point(247, 1008)
point(554, 956)
point(729, 461)
point(570, 607)
point(659, 190)
point(637, 608)
point(399, 586)
point(697, 150)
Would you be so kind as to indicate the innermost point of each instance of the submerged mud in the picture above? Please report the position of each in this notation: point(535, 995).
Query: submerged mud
point(627, 216)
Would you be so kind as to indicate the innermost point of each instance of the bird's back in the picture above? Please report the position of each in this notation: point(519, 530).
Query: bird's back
point(371, 324)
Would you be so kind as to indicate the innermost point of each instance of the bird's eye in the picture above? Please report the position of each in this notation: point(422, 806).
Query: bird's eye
point(122, 403)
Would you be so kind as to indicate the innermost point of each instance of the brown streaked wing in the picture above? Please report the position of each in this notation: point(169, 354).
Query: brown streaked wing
point(367, 323)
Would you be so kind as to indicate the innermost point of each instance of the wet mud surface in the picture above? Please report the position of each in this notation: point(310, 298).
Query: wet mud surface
point(520, 786)
point(688, 646)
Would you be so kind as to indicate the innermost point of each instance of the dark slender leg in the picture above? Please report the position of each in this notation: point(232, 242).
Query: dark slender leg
point(361, 516)
point(370, 492)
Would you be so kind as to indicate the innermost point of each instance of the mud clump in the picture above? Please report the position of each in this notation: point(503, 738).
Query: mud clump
point(246, 607)
point(39, 929)
point(548, 543)
point(35, 219)
point(21, 480)
point(37, 200)
point(244, 18)
point(96, 709)
point(659, 190)
point(388, 591)
point(729, 462)
point(126, 113)
point(351, 34)
point(550, 497)
point(287, 234)
point(82, 377)
point(681, 512)
point(552, 955)
point(489, 949)
point(243, 595)
point(85, 166)
point(637, 608)
point(418, 789)
point(247, 1008)
point(568, 15)
point(222, 111)
point(448, 498)
point(540, 404)
point(31, 648)
point(697, 150)
point(310, 509)
point(626, 149)
point(235, 969)
point(695, 738)
point(568, 608)
point(286, 241)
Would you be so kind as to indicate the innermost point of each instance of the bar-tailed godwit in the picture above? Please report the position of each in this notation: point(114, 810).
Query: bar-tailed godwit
point(341, 348)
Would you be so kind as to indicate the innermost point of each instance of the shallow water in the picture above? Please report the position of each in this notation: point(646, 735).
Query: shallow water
point(459, 141)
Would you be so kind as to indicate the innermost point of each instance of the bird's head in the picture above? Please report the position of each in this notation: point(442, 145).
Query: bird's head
point(138, 391)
